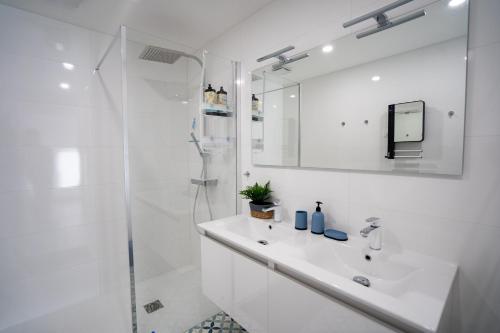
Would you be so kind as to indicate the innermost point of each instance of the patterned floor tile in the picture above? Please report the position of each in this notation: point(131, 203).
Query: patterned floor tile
point(219, 323)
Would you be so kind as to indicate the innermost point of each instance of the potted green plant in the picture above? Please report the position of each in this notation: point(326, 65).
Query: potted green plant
point(258, 196)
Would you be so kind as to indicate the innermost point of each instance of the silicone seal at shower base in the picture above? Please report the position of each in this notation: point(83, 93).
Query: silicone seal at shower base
point(220, 323)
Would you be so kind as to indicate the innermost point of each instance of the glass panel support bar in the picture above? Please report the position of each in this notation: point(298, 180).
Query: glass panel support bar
point(113, 42)
point(126, 169)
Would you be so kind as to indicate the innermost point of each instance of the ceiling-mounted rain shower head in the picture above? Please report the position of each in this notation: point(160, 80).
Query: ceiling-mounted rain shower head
point(160, 54)
point(167, 56)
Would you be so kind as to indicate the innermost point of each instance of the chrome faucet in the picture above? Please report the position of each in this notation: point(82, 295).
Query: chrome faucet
point(277, 210)
point(373, 232)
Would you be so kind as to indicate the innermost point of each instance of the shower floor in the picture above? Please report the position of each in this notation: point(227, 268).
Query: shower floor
point(184, 304)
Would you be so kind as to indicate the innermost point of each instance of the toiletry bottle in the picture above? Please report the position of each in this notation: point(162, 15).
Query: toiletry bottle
point(209, 95)
point(318, 220)
point(222, 97)
point(255, 103)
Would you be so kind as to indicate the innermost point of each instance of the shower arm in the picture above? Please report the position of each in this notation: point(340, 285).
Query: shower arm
point(195, 58)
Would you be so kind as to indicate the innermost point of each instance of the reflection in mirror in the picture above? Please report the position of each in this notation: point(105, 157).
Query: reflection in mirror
point(405, 123)
point(275, 121)
point(409, 122)
point(347, 86)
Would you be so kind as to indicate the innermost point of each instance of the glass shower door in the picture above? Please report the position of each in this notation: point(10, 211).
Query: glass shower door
point(163, 82)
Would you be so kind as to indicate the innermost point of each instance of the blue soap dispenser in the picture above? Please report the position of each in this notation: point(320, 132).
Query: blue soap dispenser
point(318, 220)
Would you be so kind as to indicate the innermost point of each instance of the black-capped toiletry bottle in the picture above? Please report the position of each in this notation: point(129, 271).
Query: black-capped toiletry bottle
point(209, 95)
point(222, 97)
point(255, 103)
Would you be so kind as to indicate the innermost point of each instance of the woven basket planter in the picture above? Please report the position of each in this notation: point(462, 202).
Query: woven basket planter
point(256, 210)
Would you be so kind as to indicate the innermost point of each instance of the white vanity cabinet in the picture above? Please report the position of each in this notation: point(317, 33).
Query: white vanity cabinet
point(294, 307)
point(217, 272)
point(273, 278)
point(262, 300)
point(237, 284)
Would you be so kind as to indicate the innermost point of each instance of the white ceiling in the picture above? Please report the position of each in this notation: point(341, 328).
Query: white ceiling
point(189, 22)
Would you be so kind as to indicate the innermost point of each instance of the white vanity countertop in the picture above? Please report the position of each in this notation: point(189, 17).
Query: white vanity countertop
point(407, 289)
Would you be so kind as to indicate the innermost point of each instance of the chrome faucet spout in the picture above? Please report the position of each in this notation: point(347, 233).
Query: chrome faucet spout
point(277, 210)
point(373, 232)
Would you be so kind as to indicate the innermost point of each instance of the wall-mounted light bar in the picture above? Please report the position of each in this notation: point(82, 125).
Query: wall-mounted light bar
point(283, 59)
point(392, 24)
point(382, 19)
point(286, 61)
point(276, 53)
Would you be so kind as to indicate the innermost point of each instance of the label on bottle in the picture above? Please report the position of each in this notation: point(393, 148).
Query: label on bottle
point(210, 97)
point(255, 105)
point(222, 99)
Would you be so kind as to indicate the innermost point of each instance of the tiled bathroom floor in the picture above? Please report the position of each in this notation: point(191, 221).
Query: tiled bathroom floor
point(184, 303)
point(219, 323)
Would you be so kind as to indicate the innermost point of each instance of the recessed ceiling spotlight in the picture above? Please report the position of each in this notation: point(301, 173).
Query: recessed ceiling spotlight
point(64, 85)
point(327, 48)
point(68, 66)
point(375, 78)
point(456, 3)
point(275, 106)
point(292, 96)
point(184, 102)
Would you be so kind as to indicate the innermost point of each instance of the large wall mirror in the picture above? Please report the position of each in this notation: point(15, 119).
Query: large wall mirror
point(393, 100)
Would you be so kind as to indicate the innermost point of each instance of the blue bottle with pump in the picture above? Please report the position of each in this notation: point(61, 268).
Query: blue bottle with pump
point(318, 220)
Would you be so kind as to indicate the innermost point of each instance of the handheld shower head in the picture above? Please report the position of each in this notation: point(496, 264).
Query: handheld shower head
point(197, 143)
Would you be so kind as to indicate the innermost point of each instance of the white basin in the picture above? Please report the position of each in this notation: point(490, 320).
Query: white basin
point(258, 230)
point(390, 274)
point(407, 287)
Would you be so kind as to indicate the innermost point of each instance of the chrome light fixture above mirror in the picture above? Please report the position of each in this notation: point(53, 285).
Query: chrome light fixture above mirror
point(383, 21)
point(283, 59)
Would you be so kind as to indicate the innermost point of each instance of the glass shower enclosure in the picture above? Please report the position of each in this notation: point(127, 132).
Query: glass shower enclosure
point(180, 168)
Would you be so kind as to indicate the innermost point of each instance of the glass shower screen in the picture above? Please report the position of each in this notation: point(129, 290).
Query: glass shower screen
point(167, 125)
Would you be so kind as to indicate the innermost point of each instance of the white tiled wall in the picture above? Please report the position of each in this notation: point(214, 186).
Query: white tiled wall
point(455, 218)
point(62, 228)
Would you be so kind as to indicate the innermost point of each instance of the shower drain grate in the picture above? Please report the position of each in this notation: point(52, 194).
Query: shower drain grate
point(153, 306)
